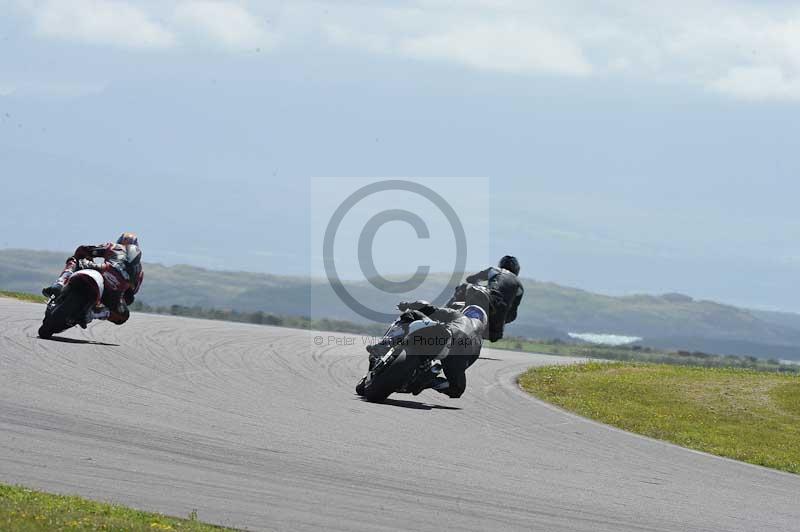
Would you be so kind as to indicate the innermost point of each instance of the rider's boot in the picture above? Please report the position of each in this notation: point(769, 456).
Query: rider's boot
point(96, 313)
point(434, 380)
point(100, 313)
point(440, 384)
point(54, 290)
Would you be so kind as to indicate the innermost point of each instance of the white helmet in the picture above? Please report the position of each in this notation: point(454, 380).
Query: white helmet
point(476, 313)
point(133, 255)
point(133, 264)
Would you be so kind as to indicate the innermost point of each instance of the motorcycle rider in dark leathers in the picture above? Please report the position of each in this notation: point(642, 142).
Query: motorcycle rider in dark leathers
point(466, 328)
point(504, 291)
point(122, 276)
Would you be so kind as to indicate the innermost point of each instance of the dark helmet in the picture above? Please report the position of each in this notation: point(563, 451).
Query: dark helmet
point(509, 263)
point(128, 239)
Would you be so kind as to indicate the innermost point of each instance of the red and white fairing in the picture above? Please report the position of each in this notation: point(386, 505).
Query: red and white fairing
point(90, 278)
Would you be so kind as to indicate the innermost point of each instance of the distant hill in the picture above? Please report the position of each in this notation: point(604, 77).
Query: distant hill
point(548, 311)
point(787, 319)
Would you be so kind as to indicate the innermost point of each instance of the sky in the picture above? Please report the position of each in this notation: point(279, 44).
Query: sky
point(625, 147)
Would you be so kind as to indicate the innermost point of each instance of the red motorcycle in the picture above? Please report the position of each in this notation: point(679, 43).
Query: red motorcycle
point(83, 291)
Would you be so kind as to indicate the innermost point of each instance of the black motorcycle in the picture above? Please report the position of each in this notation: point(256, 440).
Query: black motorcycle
point(410, 364)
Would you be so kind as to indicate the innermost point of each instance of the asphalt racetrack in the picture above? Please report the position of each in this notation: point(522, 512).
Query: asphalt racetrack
point(257, 427)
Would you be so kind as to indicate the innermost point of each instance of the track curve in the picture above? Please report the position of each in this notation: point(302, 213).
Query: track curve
point(258, 427)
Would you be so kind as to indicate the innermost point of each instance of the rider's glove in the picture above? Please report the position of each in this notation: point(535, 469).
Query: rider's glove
point(84, 264)
point(83, 252)
point(410, 316)
point(419, 305)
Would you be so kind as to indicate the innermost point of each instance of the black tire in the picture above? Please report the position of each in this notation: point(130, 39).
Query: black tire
point(67, 306)
point(390, 378)
point(360, 386)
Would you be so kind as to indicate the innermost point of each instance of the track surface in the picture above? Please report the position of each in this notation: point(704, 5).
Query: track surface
point(257, 427)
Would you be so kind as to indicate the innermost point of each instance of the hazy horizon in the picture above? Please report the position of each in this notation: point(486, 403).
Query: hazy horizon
point(320, 278)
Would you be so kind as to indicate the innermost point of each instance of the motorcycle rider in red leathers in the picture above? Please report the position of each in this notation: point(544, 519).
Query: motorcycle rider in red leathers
point(122, 276)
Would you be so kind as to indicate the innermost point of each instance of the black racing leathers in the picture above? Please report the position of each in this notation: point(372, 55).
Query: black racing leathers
point(464, 347)
point(505, 292)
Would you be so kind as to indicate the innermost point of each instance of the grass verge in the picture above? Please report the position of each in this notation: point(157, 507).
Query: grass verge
point(742, 414)
point(23, 296)
point(24, 510)
point(639, 353)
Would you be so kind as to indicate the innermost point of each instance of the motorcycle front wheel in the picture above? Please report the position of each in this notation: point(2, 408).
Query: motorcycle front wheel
point(386, 380)
point(63, 312)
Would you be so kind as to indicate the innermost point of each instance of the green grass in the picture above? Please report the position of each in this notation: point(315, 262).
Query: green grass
point(23, 296)
point(24, 510)
point(742, 414)
point(638, 353)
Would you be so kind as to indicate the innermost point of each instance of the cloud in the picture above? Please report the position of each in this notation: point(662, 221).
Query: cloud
point(758, 83)
point(113, 23)
point(228, 24)
point(745, 50)
point(505, 47)
point(478, 36)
